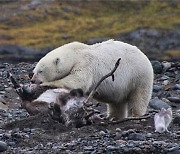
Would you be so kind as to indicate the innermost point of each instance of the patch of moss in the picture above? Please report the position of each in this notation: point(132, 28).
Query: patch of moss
point(62, 22)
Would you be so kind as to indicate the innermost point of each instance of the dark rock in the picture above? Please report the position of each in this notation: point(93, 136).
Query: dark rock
point(11, 143)
point(156, 88)
point(136, 136)
point(164, 77)
point(176, 119)
point(118, 136)
point(174, 150)
point(110, 147)
point(88, 148)
point(153, 41)
point(177, 87)
point(157, 67)
point(174, 99)
point(126, 133)
point(158, 104)
point(3, 146)
point(15, 53)
point(166, 66)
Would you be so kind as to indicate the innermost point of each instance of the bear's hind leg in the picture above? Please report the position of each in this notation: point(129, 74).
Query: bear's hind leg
point(138, 102)
point(117, 111)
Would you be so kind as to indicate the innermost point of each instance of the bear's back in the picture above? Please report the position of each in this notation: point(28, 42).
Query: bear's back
point(68, 48)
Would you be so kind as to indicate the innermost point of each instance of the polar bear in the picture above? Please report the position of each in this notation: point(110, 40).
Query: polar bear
point(77, 65)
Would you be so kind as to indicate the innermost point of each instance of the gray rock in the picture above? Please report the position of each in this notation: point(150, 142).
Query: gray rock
point(177, 87)
point(157, 67)
point(15, 53)
point(102, 133)
point(149, 135)
point(156, 88)
point(136, 136)
point(174, 150)
point(158, 104)
point(88, 148)
point(11, 143)
point(164, 77)
point(27, 130)
point(174, 99)
point(177, 119)
point(166, 66)
point(126, 133)
point(110, 147)
point(3, 146)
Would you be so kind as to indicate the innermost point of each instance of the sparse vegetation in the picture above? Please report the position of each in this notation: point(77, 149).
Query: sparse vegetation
point(56, 23)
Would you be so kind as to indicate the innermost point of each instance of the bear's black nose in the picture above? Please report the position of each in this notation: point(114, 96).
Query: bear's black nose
point(32, 81)
point(31, 75)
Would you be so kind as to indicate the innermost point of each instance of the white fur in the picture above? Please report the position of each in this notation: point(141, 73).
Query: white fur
point(50, 95)
point(82, 66)
point(162, 119)
point(72, 103)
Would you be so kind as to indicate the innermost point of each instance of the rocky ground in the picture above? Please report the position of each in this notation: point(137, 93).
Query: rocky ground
point(20, 133)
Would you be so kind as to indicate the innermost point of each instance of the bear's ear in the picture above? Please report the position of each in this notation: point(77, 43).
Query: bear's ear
point(77, 92)
point(57, 60)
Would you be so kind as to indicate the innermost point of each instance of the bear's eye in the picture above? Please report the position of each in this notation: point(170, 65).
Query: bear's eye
point(40, 72)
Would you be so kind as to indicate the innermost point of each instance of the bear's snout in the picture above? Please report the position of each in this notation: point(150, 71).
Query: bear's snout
point(35, 80)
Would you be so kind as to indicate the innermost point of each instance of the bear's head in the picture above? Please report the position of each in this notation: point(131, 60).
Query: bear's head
point(53, 67)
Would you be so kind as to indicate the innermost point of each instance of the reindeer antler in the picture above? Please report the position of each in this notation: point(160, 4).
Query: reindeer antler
point(101, 80)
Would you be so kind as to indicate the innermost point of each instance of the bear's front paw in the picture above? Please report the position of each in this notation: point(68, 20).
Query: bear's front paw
point(47, 84)
point(51, 84)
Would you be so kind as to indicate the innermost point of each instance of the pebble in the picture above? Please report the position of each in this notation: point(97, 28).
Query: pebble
point(165, 82)
point(2, 92)
point(119, 140)
point(174, 150)
point(11, 143)
point(118, 130)
point(117, 136)
point(27, 130)
point(157, 67)
point(164, 77)
point(166, 66)
point(158, 104)
point(102, 132)
point(136, 136)
point(156, 88)
point(174, 99)
point(177, 87)
point(3, 146)
point(149, 134)
point(110, 147)
point(126, 133)
point(88, 148)
point(176, 119)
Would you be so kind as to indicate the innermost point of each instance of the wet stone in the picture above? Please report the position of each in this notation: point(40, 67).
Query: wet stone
point(157, 67)
point(174, 99)
point(126, 133)
point(166, 66)
point(177, 119)
point(156, 88)
point(164, 77)
point(177, 87)
point(3, 146)
point(11, 143)
point(136, 136)
point(158, 104)
point(110, 147)
point(174, 150)
point(88, 148)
